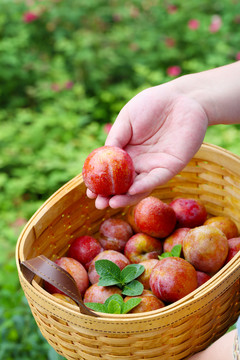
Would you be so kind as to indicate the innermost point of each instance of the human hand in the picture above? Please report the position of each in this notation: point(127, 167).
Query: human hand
point(161, 129)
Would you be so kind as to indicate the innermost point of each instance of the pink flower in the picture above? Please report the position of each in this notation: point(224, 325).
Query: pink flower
point(117, 17)
point(174, 70)
point(238, 56)
point(171, 9)
point(69, 85)
point(107, 128)
point(134, 12)
point(133, 46)
point(215, 24)
point(193, 24)
point(237, 19)
point(170, 42)
point(29, 17)
point(18, 224)
point(55, 87)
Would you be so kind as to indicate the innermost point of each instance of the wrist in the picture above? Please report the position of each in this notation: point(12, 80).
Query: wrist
point(217, 91)
point(194, 87)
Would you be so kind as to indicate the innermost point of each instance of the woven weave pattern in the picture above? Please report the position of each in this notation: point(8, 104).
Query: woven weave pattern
point(174, 332)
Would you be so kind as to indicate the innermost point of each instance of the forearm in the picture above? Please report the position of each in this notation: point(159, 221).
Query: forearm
point(217, 90)
point(222, 349)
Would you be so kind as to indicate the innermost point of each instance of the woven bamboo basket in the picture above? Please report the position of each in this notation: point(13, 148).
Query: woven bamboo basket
point(174, 332)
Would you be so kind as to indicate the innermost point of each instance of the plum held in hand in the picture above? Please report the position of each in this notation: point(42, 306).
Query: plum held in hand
point(172, 279)
point(108, 170)
point(154, 217)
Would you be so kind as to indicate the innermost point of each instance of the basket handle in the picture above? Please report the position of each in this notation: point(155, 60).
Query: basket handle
point(56, 276)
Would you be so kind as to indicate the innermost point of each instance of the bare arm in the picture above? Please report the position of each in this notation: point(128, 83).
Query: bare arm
point(218, 91)
point(222, 349)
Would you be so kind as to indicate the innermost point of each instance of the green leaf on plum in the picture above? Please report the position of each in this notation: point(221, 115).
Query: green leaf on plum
point(115, 297)
point(96, 307)
point(175, 252)
point(114, 305)
point(131, 272)
point(109, 281)
point(110, 274)
point(134, 288)
point(108, 270)
point(165, 255)
point(130, 304)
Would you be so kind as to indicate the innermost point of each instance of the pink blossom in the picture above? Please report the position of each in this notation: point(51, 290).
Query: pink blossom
point(55, 87)
point(171, 9)
point(133, 46)
point(193, 24)
point(216, 24)
point(134, 12)
point(69, 85)
point(107, 128)
point(117, 17)
point(18, 224)
point(170, 42)
point(237, 19)
point(29, 17)
point(238, 56)
point(174, 70)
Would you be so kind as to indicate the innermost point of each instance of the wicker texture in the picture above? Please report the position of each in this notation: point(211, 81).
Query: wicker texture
point(174, 332)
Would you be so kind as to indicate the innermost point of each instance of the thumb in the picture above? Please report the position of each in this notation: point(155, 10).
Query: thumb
point(121, 131)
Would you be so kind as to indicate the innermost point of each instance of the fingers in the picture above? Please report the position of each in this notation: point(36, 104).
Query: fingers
point(121, 131)
point(101, 202)
point(119, 201)
point(91, 194)
point(142, 187)
point(148, 182)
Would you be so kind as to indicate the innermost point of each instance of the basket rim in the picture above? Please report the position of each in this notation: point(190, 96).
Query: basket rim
point(195, 296)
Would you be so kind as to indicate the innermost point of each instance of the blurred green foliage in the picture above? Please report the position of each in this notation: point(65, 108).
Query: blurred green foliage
point(66, 70)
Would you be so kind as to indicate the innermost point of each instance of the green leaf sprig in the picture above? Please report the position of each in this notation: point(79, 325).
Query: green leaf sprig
point(176, 251)
point(114, 305)
point(111, 274)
